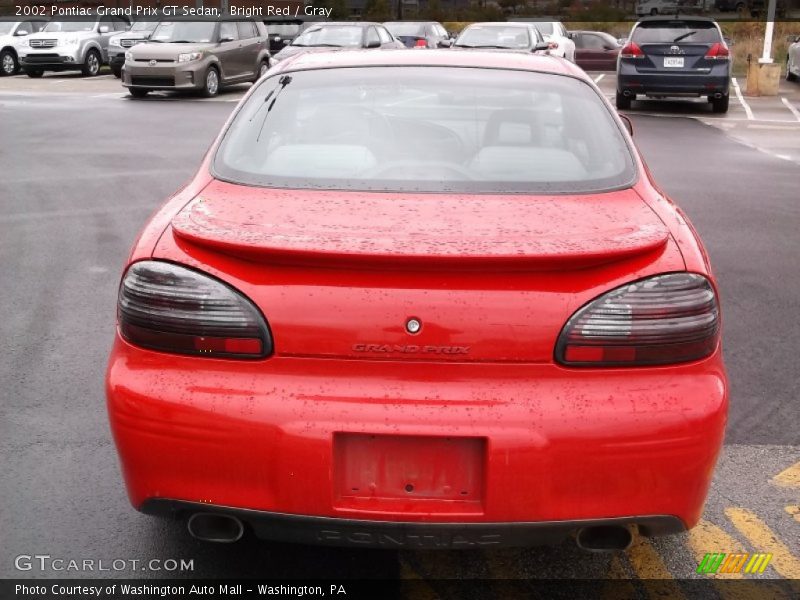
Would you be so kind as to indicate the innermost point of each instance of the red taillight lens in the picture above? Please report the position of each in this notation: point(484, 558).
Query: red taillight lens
point(631, 50)
point(421, 44)
point(659, 320)
point(167, 307)
point(718, 52)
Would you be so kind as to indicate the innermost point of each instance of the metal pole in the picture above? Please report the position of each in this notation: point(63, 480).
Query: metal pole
point(766, 56)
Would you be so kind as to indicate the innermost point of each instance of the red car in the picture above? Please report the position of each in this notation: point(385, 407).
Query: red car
point(419, 299)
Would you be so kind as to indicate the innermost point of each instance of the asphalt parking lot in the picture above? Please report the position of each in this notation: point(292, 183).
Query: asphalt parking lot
point(83, 167)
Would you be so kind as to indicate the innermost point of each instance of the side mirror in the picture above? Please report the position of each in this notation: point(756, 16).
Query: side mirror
point(628, 123)
point(445, 43)
point(541, 46)
point(374, 44)
point(225, 39)
point(104, 29)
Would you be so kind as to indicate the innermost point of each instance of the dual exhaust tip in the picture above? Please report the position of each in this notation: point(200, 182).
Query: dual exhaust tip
point(212, 527)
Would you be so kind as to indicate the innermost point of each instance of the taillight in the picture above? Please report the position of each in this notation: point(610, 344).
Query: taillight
point(718, 52)
point(421, 44)
point(170, 308)
point(631, 50)
point(659, 320)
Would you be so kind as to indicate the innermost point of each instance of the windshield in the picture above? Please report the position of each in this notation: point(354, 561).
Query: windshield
point(330, 35)
point(703, 32)
point(494, 36)
point(184, 31)
point(6, 27)
point(69, 26)
point(401, 29)
point(425, 129)
point(144, 26)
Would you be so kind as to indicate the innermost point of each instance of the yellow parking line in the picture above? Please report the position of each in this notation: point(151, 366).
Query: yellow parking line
point(619, 586)
point(788, 478)
point(707, 537)
point(647, 564)
point(417, 587)
point(762, 537)
point(794, 511)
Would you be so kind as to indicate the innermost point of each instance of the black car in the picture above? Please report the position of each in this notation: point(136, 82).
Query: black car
point(420, 34)
point(675, 57)
point(324, 36)
point(522, 37)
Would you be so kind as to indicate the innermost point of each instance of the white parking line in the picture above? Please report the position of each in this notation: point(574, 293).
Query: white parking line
point(599, 77)
point(739, 96)
point(793, 110)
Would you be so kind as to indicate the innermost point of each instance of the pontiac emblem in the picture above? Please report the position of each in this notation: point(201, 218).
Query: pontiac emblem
point(152, 63)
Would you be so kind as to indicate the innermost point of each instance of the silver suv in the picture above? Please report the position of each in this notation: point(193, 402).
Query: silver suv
point(120, 43)
point(69, 45)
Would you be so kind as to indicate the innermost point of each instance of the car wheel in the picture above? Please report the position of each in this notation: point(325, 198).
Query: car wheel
point(138, 92)
point(117, 71)
point(623, 102)
point(8, 63)
point(211, 83)
point(35, 73)
point(91, 64)
point(263, 67)
point(789, 75)
point(720, 105)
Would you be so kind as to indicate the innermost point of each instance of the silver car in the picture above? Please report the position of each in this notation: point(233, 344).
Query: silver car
point(793, 61)
point(12, 31)
point(70, 45)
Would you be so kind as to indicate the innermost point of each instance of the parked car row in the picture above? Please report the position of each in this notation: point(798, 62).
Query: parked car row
point(662, 56)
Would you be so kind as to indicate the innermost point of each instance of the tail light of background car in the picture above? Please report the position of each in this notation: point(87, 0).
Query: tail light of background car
point(659, 320)
point(718, 52)
point(631, 50)
point(167, 307)
point(421, 44)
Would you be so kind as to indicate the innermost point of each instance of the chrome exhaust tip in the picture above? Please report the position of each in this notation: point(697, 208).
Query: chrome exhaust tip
point(604, 538)
point(211, 527)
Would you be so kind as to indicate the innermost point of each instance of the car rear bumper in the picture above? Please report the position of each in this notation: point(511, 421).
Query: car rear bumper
point(171, 76)
point(359, 533)
point(528, 443)
point(672, 84)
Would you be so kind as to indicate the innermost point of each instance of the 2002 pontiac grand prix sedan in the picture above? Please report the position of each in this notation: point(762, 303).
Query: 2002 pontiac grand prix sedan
point(420, 300)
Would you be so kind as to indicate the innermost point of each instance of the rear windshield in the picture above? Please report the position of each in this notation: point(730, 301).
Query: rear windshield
point(544, 28)
point(425, 129)
point(671, 32)
point(494, 36)
point(406, 29)
point(330, 35)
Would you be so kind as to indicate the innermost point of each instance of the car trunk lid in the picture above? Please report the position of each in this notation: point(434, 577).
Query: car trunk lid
point(490, 278)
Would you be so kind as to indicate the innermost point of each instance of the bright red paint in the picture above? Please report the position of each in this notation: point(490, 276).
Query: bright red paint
point(535, 441)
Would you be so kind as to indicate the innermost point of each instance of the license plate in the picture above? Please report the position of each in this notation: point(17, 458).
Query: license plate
point(673, 61)
point(410, 469)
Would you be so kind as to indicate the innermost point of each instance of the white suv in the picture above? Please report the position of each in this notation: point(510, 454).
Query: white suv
point(12, 32)
point(557, 37)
